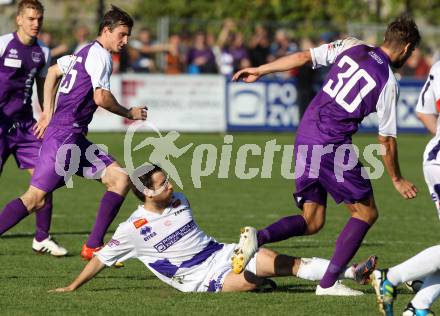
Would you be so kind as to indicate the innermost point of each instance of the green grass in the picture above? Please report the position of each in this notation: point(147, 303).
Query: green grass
point(221, 207)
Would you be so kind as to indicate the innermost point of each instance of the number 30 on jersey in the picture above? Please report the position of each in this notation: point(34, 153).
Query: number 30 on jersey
point(340, 91)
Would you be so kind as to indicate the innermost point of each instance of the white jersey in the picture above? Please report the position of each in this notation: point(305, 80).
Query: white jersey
point(429, 103)
point(170, 244)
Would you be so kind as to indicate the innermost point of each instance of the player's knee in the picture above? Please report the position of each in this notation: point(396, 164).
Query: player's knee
point(32, 201)
point(314, 225)
point(117, 181)
point(369, 217)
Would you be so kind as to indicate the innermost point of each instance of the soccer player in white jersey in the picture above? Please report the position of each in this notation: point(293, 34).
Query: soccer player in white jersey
point(426, 263)
point(163, 234)
point(428, 109)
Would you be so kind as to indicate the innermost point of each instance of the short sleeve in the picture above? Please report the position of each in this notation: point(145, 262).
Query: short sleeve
point(66, 63)
point(99, 67)
point(326, 54)
point(4, 41)
point(387, 108)
point(119, 248)
point(429, 98)
point(43, 71)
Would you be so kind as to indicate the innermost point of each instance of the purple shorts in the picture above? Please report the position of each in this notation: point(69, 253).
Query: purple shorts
point(329, 175)
point(19, 141)
point(64, 153)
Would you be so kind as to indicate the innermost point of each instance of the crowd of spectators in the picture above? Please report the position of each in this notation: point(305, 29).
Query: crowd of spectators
point(222, 53)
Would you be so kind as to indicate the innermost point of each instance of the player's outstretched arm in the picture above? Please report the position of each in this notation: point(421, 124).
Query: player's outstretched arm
point(89, 272)
point(51, 84)
point(285, 63)
point(429, 121)
point(407, 189)
point(106, 100)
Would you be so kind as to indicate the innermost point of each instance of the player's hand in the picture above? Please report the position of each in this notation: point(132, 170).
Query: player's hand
point(407, 189)
point(41, 125)
point(247, 75)
point(61, 290)
point(138, 113)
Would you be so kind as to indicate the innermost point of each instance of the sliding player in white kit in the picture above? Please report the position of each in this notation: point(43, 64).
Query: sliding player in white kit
point(163, 235)
point(426, 264)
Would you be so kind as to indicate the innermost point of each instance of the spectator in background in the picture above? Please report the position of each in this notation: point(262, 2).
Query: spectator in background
point(81, 35)
point(56, 51)
point(200, 58)
point(417, 66)
point(259, 46)
point(175, 58)
point(307, 79)
point(142, 52)
point(283, 46)
point(239, 52)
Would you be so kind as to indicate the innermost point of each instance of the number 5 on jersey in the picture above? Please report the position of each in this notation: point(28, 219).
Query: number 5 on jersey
point(70, 76)
point(340, 91)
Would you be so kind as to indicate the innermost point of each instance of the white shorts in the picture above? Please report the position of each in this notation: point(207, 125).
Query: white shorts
point(219, 268)
point(432, 178)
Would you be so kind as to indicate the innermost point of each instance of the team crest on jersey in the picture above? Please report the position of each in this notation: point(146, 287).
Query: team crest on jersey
point(36, 57)
point(13, 53)
point(147, 232)
point(140, 222)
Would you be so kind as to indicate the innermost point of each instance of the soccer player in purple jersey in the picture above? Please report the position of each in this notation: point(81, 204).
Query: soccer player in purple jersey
point(84, 84)
point(23, 60)
point(359, 82)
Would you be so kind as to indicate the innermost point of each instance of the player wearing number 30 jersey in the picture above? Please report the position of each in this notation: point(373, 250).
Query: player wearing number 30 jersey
point(360, 82)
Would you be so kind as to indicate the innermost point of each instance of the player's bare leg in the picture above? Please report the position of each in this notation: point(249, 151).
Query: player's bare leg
point(117, 184)
point(363, 215)
point(309, 222)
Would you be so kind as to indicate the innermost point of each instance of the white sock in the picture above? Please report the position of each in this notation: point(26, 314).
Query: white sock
point(421, 265)
point(429, 292)
point(313, 269)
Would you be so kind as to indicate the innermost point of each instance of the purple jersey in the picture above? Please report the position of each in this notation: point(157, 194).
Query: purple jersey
point(19, 64)
point(359, 83)
point(84, 72)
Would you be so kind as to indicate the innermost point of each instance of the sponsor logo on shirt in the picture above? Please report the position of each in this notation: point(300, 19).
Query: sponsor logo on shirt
point(15, 63)
point(179, 211)
point(376, 57)
point(146, 231)
point(140, 222)
point(334, 44)
point(171, 239)
point(113, 243)
point(13, 53)
point(36, 57)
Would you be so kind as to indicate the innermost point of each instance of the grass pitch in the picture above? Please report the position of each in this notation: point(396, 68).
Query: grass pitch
point(221, 207)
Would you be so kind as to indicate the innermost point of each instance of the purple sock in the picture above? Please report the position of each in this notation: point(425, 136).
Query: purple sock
point(12, 214)
point(283, 229)
point(43, 219)
point(348, 243)
point(108, 209)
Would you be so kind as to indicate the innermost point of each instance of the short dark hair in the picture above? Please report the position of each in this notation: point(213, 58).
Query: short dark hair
point(114, 18)
point(402, 31)
point(30, 4)
point(147, 180)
